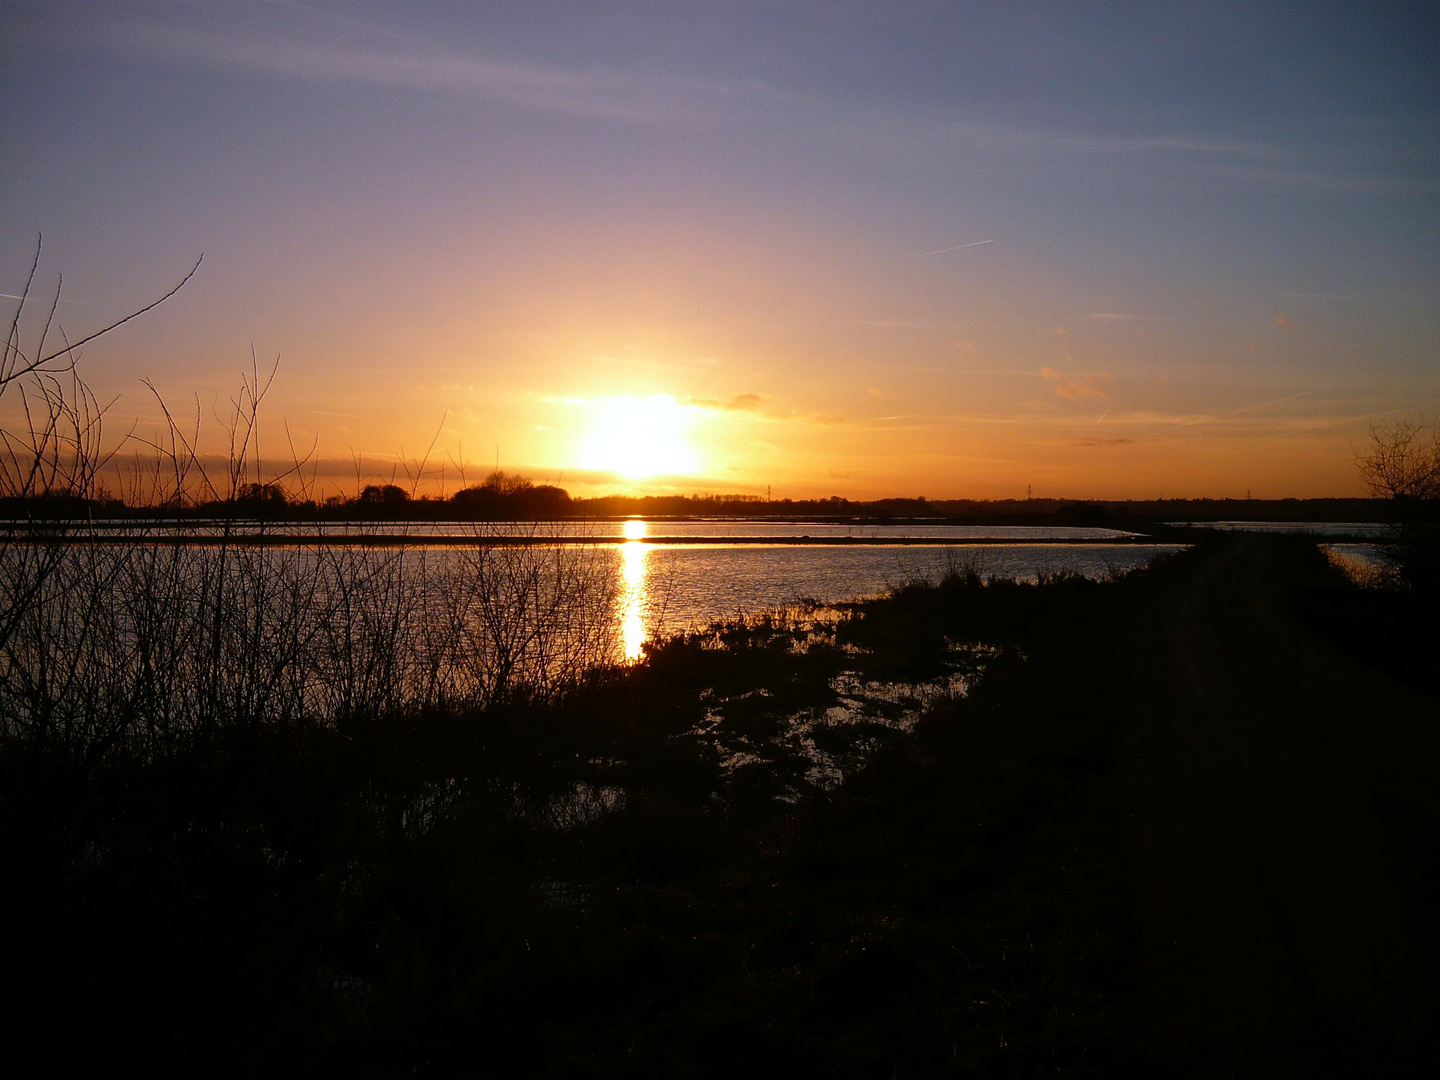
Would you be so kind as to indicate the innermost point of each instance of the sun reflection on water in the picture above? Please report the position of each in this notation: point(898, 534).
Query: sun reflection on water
point(632, 589)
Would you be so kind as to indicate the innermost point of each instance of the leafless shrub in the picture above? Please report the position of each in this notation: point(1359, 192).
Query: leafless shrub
point(1403, 460)
point(138, 643)
point(142, 645)
point(52, 451)
point(1403, 465)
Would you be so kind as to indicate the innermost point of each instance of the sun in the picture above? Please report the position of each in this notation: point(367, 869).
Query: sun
point(639, 437)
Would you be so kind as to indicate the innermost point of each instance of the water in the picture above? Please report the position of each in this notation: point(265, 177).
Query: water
point(729, 529)
point(1309, 528)
point(156, 638)
point(1368, 554)
point(718, 569)
point(673, 588)
point(1365, 564)
point(689, 529)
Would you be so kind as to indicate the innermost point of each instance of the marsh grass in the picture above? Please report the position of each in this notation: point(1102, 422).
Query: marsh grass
point(397, 811)
point(182, 632)
point(398, 820)
point(138, 647)
point(517, 880)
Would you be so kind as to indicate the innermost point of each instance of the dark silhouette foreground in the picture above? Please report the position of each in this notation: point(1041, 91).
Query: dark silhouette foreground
point(1284, 830)
point(1183, 824)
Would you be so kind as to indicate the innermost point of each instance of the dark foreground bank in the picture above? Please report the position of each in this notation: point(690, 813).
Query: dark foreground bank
point(1184, 823)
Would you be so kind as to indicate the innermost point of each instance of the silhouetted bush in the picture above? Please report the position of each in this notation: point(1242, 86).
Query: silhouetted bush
point(1402, 464)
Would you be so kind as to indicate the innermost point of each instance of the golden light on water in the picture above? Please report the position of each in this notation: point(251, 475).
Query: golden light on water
point(633, 554)
point(639, 437)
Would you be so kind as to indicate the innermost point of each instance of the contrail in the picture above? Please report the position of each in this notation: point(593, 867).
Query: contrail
point(942, 251)
point(36, 298)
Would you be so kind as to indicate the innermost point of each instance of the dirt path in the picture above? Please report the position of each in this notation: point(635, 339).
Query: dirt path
point(1283, 820)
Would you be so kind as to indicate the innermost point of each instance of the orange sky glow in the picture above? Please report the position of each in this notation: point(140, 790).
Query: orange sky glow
point(1180, 256)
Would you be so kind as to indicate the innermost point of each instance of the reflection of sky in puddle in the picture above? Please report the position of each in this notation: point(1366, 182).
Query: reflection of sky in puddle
point(632, 589)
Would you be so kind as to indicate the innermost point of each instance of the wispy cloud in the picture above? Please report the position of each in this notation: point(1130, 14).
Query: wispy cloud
point(676, 482)
point(35, 299)
point(1263, 406)
point(893, 324)
point(1321, 159)
point(957, 247)
point(325, 45)
point(405, 63)
point(739, 403)
point(881, 129)
point(550, 399)
point(1078, 387)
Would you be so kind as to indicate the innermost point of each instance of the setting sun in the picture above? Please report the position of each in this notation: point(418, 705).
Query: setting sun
point(541, 537)
point(639, 437)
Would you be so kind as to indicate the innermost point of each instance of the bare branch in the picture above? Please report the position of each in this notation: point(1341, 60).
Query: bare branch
point(70, 347)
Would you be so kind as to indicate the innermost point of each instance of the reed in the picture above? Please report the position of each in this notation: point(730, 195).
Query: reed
point(139, 648)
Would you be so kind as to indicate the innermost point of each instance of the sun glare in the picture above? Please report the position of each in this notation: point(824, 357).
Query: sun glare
point(639, 437)
point(632, 590)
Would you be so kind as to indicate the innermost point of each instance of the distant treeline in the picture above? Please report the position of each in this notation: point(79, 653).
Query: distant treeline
point(508, 497)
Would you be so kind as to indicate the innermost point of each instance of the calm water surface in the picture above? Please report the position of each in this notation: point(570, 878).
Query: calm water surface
point(666, 589)
point(688, 529)
point(1309, 528)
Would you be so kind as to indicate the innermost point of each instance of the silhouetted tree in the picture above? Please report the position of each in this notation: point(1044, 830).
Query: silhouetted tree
point(383, 495)
point(1403, 465)
point(509, 496)
point(503, 483)
point(543, 501)
point(260, 498)
point(1403, 462)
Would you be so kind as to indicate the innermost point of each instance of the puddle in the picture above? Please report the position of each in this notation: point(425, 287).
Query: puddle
point(584, 804)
